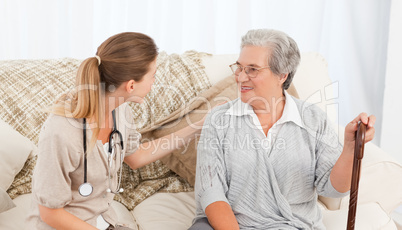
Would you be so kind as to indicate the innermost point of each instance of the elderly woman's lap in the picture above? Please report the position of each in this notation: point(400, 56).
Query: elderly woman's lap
point(201, 224)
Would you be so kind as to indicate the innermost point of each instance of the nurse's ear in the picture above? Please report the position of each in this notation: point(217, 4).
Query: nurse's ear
point(130, 85)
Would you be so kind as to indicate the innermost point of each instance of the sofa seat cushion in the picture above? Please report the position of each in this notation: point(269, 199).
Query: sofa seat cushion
point(368, 216)
point(168, 211)
point(124, 216)
point(14, 219)
point(172, 211)
point(5, 201)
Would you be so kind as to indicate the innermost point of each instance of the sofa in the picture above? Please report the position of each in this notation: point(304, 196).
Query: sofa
point(380, 184)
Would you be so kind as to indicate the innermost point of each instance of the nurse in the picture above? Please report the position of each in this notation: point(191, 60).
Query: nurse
point(89, 132)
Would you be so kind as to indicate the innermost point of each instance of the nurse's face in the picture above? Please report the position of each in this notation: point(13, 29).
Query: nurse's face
point(143, 87)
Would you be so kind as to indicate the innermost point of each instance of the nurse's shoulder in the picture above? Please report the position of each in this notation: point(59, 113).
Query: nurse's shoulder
point(58, 127)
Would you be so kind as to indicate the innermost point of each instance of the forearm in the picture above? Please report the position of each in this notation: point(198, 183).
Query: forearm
point(221, 216)
point(61, 219)
point(341, 174)
point(153, 150)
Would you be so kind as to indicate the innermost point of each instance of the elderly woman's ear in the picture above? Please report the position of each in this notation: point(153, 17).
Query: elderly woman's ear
point(283, 77)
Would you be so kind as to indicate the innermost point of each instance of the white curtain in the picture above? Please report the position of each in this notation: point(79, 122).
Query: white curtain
point(392, 110)
point(351, 35)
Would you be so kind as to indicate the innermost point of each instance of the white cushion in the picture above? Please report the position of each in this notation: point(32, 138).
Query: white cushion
point(217, 66)
point(313, 84)
point(5, 201)
point(167, 211)
point(14, 151)
point(124, 216)
point(368, 216)
point(14, 219)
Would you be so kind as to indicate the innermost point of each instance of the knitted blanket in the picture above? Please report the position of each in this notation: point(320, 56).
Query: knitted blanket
point(179, 78)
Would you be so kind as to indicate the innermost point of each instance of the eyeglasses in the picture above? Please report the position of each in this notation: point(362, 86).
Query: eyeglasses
point(251, 71)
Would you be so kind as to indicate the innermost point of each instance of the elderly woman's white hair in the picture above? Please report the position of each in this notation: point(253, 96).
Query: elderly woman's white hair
point(285, 55)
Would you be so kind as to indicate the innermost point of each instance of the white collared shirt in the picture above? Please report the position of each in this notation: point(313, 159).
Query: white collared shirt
point(290, 114)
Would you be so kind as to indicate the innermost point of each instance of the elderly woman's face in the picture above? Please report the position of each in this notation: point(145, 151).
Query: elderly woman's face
point(266, 87)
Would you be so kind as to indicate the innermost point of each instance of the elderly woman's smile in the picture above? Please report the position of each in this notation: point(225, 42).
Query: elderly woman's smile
point(245, 89)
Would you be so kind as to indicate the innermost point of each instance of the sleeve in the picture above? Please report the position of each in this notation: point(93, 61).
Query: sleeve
point(328, 150)
point(210, 182)
point(57, 158)
point(130, 134)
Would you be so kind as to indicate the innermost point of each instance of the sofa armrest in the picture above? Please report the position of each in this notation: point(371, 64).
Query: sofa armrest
point(380, 180)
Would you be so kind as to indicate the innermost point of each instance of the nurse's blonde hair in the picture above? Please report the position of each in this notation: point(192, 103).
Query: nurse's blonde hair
point(122, 57)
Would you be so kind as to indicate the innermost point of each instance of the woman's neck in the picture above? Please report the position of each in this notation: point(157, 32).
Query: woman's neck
point(110, 102)
point(270, 110)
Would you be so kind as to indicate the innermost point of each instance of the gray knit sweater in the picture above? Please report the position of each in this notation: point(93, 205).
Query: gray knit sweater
point(267, 188)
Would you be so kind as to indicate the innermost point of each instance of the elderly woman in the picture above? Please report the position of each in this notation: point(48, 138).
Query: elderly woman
point(265, 157)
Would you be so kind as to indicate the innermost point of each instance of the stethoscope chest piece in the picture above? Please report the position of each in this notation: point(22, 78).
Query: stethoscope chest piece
point(85, 189)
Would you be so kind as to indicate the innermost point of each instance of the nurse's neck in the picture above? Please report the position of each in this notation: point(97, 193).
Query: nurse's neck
point(112, 101)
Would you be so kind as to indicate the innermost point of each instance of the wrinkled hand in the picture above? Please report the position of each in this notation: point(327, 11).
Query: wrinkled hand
point(351, 129)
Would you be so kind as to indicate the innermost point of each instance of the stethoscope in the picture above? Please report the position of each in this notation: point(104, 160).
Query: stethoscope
point(86, 188)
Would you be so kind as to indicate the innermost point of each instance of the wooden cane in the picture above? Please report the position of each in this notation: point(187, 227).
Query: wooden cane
point(354, 188)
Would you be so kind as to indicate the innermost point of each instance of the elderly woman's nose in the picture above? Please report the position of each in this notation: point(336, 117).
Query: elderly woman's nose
point(242, 76)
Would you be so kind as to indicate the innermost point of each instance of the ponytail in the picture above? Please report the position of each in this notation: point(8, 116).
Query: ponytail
point(89, 95)
point(88, 91)
point(85, 100)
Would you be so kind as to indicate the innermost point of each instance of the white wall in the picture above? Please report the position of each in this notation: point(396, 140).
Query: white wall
point(392, 112)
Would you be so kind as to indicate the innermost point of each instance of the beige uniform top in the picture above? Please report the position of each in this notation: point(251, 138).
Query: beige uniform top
point(59, 169)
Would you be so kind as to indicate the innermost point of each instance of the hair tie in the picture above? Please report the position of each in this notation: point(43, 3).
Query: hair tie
point(99, 59)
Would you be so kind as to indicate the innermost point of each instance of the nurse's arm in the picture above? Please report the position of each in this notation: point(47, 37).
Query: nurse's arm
point(154, 150)
point(61, 219)
point(220, 216)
